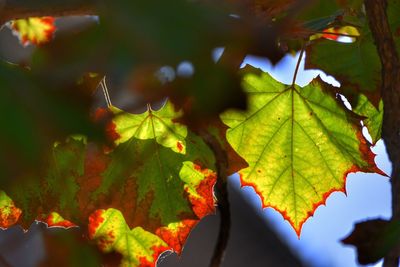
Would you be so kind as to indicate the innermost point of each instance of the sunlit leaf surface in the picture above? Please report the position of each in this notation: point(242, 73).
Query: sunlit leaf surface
point(300, 144)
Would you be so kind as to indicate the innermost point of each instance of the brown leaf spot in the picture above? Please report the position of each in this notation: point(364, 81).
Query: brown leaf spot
point(50, 221)
point(157, 250)
point(205, 204)
point(95, 219)
point(179, 145)
point(177, 237)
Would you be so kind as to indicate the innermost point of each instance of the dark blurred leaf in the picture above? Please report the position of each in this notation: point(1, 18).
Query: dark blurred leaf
point(355, 65)
point(65, 248)
point(136, 38)
point(374, 239)
point(35, 114)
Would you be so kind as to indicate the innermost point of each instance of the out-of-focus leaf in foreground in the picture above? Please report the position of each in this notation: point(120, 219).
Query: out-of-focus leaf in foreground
point(35, 115)
point(355, 65)
point(300, 144)
point(9, 213)
point(35, 31)
point(148, 35)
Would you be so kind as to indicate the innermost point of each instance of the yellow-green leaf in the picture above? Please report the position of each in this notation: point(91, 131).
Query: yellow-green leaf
point(300, 144)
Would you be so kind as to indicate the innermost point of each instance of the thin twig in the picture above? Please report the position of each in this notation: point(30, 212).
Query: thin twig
point(105, 92)
point(221, 192)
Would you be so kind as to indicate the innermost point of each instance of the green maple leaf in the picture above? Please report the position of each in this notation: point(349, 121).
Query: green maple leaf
point(300, 144)
point(159, 176)
point(169, 171)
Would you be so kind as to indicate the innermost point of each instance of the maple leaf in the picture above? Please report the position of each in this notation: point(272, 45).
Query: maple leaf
point(159, 176)
point(300, 144)
point(171, 170)
point(35, 30)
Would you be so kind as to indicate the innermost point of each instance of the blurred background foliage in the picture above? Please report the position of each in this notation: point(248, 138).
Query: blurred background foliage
point(131, 41)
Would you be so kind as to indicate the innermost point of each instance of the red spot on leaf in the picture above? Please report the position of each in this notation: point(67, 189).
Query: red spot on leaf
point(51, 222)
point(197, 167)
point(328, 34)
point(157, 252)
point(100, 114)
point(177, 237)
point(205, 204)
point(111, 131)
point(95, 219)
point(368, 156)
point(104, 116)
point(179, 146)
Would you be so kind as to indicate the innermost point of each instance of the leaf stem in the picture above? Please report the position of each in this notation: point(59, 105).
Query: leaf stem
point(390, 90)
point(103, 85)
point(297, 66)
point(221, 192)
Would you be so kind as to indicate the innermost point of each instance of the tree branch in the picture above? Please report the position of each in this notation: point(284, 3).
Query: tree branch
point(17, 9)
point(221, 191)
point(390, 87)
